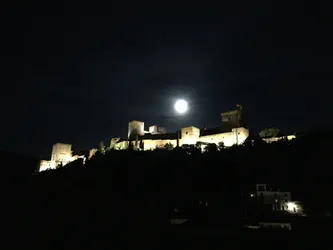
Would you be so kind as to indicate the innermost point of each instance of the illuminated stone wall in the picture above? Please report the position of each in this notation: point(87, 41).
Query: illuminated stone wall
point(45, 165)
point(135, 127)
point(121, 145)
point(274, 139)
point(92, 152)
point(157, 130)
point(153, 144)
point(236, 136)
point(61, 153)
point(76, 157)
point(113, 142)
point(189, 135)
point(241, 135)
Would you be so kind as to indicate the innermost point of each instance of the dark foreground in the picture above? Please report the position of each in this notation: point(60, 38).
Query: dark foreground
point(123, 199)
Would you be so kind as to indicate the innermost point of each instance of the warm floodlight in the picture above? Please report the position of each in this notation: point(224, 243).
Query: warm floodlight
point(292, 207)
point(181, 106)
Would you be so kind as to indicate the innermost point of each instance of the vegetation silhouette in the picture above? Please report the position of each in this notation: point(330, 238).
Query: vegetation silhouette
point(130, 191)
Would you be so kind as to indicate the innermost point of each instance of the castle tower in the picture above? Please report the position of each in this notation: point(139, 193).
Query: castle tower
point(135, 128)
point(190, 135)
point(157, 130)
point(232, 119)
point(61, 153)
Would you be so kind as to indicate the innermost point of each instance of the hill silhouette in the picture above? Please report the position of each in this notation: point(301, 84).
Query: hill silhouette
point(130, 192)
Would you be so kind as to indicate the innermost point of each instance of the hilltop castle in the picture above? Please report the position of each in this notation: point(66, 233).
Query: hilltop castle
point(231, 132)
point(61, 155)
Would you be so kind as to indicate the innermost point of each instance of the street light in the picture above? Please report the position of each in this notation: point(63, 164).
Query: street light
point(293, 207)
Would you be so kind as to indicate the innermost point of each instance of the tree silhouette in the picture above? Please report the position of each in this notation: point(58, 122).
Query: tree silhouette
point(168, 146)
point(130, 146)
point(269, 132)
point(60, 165)
point(221, 145)
point(211, 148)
point(102, 147)
point(184, 181)
point(191, 149)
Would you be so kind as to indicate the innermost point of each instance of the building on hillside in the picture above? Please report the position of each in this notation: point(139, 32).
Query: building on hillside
point(157, 130)
point(188, 135)
point(153, 141)
point(120, 144)
point(46, 165)
point(235, 136)
point(92, 152)
point(62, 155)
point(79, 155)
point(271, 197)
point(135, 128)
point(275, 139)
point(230, 133)
point(233, 119)
point(275, 200)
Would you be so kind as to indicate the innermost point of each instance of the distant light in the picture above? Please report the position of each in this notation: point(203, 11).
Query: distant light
point(181, 106)
point(252, 195)
point(292, 207)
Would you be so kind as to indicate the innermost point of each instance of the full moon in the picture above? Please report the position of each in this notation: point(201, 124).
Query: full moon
point(181, 106)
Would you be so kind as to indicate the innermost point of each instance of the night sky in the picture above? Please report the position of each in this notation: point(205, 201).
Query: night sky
point(77, 74)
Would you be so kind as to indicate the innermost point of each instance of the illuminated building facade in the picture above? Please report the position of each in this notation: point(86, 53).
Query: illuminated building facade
point(230, 133)
point(275, 139)
point(92, 152)
point(157, 130)
point(46, 165)
point(135, 128)
point(61, 155)
point(233, 119)
point(275, 199)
